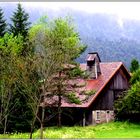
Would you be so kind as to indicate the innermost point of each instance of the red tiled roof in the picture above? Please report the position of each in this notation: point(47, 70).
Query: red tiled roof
point(108, 70)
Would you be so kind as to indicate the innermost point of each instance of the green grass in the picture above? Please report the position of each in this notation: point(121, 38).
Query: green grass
point(110, 130)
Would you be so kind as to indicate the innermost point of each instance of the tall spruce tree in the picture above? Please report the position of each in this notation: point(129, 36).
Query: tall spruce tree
point(134, 65)
point(20, 24)
point(2, 24)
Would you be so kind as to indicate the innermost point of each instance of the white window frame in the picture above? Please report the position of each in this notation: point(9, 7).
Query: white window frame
point(98, 115)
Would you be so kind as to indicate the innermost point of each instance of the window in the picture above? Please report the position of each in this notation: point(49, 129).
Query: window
point(107, 111)
point(97, 115)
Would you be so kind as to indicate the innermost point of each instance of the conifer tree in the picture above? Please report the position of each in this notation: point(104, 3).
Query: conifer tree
point(134, 65)
point(20, 24)
point(2, 24)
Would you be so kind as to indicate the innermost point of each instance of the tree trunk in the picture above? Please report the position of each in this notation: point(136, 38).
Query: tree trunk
point(59, 102)
point(5, 124)
point(42, 121)
point(59, 111)
point(32, 128)
point(31, 132)
point(33, 122)
point(6, 110)
point(41, 131)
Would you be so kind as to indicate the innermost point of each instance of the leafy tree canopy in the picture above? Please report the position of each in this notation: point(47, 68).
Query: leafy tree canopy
point(18, 80)
point(135, 77)
point(130, 103)
point(58, 45)
point(11, 45)
point(59, 34)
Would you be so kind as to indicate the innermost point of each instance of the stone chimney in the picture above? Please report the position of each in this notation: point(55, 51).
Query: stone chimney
point(93, 65)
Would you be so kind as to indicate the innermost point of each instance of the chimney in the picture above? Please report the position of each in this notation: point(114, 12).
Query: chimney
point(93, 65)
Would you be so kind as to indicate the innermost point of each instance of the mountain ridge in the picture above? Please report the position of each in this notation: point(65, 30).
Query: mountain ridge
point(113, 38)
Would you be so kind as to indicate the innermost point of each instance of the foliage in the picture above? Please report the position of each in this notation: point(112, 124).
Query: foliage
point(17, 82)
point(90, 92)
point(20, 24)
point(73, 99)
point(76, 72)
point(130, 103)
point(134, 65)
point(58, 45)
point(8, 74)
point(18, 55)
point(135, 77)
point(2, 24)
point(108, 130)
point(11, 45)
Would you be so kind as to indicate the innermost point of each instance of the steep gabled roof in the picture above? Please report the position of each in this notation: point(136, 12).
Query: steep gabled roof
point(108, 70)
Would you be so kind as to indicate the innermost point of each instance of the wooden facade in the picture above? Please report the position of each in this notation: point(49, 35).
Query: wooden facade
point(117, 85)
point(105, 101)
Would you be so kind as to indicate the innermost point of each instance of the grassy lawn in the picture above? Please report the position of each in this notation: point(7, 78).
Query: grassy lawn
point(110, 130)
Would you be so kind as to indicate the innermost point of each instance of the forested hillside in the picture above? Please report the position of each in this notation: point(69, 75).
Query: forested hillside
point(114, 39)
point(122, 50)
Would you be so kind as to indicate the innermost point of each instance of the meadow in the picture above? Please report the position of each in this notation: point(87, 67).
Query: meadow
point(108, 130)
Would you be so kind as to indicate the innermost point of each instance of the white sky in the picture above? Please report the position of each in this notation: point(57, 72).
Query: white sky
point(129, 10)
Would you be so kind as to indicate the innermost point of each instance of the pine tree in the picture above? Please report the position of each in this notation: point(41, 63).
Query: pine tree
point(134, 65)
point(20, 23)
point(2, 24)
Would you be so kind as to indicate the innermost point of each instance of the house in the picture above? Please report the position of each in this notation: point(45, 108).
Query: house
point(108, 80)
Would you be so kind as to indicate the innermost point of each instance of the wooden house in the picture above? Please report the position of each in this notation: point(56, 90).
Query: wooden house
point(109, 80)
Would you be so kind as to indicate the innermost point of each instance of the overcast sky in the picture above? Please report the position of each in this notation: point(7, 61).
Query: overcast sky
point(129, 10)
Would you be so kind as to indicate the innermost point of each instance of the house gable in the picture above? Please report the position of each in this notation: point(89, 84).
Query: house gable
point(112, 91)
point(119, 81)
